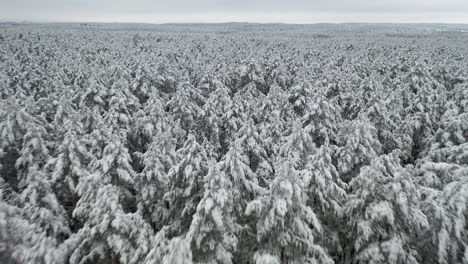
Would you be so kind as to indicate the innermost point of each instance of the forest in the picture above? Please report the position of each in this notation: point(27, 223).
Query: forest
point(233, 143)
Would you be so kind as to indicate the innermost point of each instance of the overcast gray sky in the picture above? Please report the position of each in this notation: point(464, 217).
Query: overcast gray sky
point(289, 11)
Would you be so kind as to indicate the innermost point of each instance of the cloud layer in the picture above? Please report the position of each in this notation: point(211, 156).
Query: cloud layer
point(291, 11)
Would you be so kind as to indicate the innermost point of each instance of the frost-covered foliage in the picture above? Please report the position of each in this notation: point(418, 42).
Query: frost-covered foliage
point(286, 225)
point(233, 144)
point(384, 213)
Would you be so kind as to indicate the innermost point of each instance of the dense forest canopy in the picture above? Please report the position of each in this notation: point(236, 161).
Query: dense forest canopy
point(233, 144)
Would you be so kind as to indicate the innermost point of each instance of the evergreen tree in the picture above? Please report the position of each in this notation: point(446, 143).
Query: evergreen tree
point(298, 147)
point(359, 146)
point(274, 113)
point(95, 96)
point(298, 97)
point(217, 104)
point(321, 120)
point(384, 214)
point(231, 121)
point(451, 225)
point(34, 209)
point(287, 226)
point(450, 142)
point(444, 202)
point(251, 143)
point(186, 184)
point(213, 228)
point(327, 195)
point(151, 183)
point(111, 229)
point(386, 124)
point(121, 106)
point(21, 239)
point(186, 105)
point(245, 187)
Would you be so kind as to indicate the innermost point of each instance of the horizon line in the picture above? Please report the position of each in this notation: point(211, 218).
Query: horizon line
point(295, 18)
point(228, 22)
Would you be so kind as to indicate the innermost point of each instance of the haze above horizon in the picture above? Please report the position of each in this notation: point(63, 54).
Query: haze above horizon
point(256, 11)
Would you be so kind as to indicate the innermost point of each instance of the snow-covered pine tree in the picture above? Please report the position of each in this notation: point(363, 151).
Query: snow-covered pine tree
point(245, 186)
point(348, 96)
point(151, 122)
point(298, 97)
point(96, 96)
point(151, 182)
point(444, 201)
point(186, 105)
point(35, 184)
point(419, 81)
point(250, 170)
point(165, 78)
point(450, 142)
point(112, 230)
point(231, 121)
point(321, 119)
point(451, 236)
point(272, 133)
point(122, 104)
point(141, 81)
point(14, 121)
point(34, 207)
point(252, 146)
point(359, 145)
point(65, 113)
point(185, 185)
point(459, 98)
point(370, 88)
point(286, 226)
point(72, 155)
point(298, 147)
point(386, 123)
point(424, 104)
point(69, 165)
point(273, 114)
point(327, 195)
point(21, 240)
point(209, 83)
point(213, 227)
point(384, 214)
point(278, 74)
point(178, 252)
point(217, 104)
point(251, 73)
